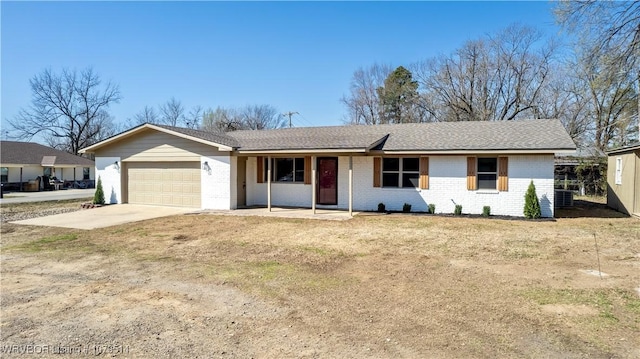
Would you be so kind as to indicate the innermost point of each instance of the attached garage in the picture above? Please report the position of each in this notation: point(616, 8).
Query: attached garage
point(166, 166)
point(164, 183)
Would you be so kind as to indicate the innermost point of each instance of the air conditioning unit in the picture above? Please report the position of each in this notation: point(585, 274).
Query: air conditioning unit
point(564, 198)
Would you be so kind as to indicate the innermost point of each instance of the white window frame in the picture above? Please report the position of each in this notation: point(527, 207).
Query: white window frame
point(618, 175)
point(399, 172)
point(274, 169)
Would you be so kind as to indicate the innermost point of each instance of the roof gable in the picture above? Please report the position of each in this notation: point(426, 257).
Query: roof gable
point(222, 141)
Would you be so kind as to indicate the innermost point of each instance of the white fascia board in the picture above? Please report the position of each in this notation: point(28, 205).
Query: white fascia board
point(473, 152)
point(309, 152)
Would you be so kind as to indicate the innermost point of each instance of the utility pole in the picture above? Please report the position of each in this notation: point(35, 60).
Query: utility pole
point(290, 113)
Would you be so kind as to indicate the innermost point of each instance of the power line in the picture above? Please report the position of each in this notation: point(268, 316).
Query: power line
point(290, 113)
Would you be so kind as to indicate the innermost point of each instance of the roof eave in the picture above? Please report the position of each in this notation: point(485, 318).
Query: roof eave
point(302, 150)
point(623, 149)
point(478, 150)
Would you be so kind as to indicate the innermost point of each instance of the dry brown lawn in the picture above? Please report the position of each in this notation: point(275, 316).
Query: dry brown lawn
point(375, 286)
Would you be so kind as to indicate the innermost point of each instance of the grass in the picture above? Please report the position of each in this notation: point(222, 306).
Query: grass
point(376, 276)
point(50, 243)
point(596, 298)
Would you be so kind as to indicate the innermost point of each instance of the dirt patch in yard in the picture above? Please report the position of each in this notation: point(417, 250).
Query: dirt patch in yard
point(375, 286)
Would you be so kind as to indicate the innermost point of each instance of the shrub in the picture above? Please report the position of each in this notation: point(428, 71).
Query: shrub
point(381, 207)
point(486, 211)
point(406, 208)
point(458, 210)
point(432, 208)
point(531, 203)
point(98, 197)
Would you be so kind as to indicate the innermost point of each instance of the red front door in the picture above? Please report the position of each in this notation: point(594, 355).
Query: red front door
point(328, 180)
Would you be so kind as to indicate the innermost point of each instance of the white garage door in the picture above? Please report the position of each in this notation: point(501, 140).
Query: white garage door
point(164, 183)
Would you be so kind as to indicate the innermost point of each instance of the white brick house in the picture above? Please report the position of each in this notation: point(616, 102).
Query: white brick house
point(473, 164)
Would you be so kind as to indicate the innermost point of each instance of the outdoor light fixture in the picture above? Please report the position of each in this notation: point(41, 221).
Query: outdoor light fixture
point(206, 167)
point(117, 166)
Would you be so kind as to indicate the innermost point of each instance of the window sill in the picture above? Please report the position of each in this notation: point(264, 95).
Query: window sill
point(401, 188)
point(283, 182)
point(487, 191)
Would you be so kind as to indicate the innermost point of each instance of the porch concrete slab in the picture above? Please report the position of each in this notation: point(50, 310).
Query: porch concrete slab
point(106, 216)
point(305, 213)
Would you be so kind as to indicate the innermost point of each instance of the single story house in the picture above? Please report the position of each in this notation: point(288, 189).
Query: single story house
point(21, 162)
point(623, 179)
point(473, 164)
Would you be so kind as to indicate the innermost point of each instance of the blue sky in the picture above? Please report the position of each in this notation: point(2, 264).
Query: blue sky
point(296, 56)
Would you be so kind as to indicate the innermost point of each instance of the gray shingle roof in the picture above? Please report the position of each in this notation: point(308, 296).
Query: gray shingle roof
point(437, 136)
point(547, 135)
point(503, 135)
point(310, 138)
point(30, 153)
point(222, 139)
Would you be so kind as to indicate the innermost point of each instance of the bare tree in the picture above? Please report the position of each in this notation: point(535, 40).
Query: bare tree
point(147, 115)
point(563, 98)
point(69, 109)
point(172, 113)
point(608, 48)
point(221, 120)
point(495, 78)
point(194, 117)
point(363, 103)
point(260, 117)
point(612, 99)
point(605, 25)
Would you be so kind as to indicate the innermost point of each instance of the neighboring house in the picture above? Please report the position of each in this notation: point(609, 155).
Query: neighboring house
point(21, 162)
point(623, 179)
point(473, 164)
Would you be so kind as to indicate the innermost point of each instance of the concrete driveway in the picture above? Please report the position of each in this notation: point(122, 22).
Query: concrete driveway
point(106, 216)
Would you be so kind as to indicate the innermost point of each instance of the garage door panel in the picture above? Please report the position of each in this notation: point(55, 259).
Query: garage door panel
point(164, 183)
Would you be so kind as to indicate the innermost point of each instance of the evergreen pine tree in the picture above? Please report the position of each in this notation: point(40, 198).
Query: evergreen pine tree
point(98, 197)
point(531, 203)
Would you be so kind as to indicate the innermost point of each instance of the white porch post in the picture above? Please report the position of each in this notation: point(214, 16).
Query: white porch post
point(269, 183)
point(351, 186)
point(313, 184)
